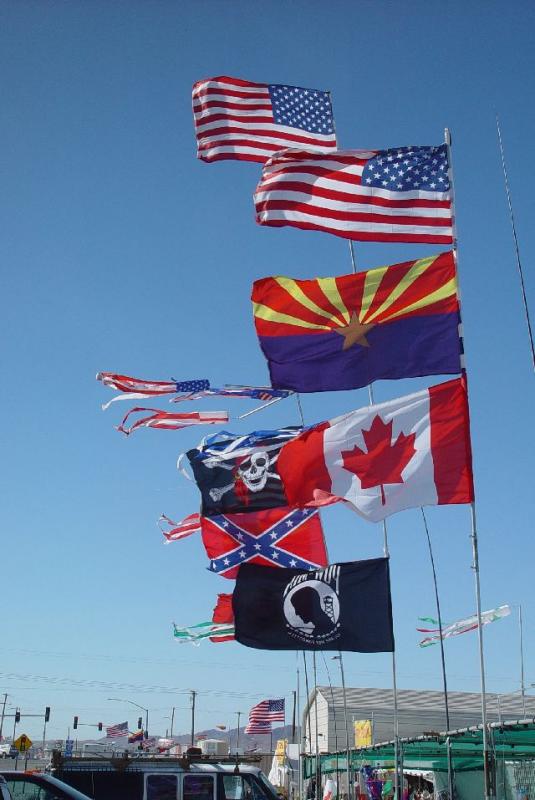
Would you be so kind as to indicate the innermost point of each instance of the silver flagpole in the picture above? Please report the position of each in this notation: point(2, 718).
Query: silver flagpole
point(346, 721)
point(522, 683)
point(397, 778)
point(489, 783)
point(316, 733)
point(515, 239)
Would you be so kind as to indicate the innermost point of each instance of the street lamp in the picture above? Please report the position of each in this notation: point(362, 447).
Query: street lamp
point(146, 710)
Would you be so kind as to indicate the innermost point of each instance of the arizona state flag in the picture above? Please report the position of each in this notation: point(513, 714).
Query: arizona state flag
point(342, 607)
point(393, 322)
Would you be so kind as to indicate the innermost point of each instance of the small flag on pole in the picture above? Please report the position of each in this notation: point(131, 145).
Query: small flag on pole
point(114, 731)
point(263, 715)
point(245, 121)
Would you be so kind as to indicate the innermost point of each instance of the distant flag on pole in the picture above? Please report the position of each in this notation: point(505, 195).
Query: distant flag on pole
point(114, 731)
point(179, 530)
point(170, 421)
point(462, 626)
point(263, 715)
point(397, 195)
point(135, 737)
point(245, 121)
point(136, 388)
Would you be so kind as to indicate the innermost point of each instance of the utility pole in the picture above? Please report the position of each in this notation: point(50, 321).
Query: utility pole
point(3, 714)
point(193, 694)
point(238, 713)
point(172, 720)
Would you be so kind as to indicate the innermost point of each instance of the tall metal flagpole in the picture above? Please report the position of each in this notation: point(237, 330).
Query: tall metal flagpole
point(346, 722)
point(386, 552)
point(515, 239)
point(522, 683)
point(316, 732)
point(489, 791)
point(442, 656)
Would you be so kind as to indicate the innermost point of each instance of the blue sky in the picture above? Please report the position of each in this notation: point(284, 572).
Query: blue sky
point(120, 251)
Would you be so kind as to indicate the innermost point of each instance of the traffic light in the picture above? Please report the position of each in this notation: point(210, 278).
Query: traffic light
point(47, 713)
point(75, 723)
point(17, 715)
point(140, 723)
point(100, 726)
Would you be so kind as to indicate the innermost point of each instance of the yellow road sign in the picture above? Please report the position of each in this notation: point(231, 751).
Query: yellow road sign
point(23, 743)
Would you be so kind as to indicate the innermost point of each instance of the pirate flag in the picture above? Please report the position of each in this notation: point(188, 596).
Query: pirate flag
point(342, 607)
point(239, 473)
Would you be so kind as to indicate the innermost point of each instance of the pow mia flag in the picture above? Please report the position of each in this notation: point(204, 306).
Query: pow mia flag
point(342, 607)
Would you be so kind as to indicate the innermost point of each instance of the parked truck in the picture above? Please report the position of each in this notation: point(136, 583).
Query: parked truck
point(145, 778)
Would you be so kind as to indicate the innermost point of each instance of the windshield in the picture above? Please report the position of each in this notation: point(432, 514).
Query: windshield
point(267, 785)
point(74, 793)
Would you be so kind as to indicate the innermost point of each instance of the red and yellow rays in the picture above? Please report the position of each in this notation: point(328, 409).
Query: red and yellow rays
point(353, 304)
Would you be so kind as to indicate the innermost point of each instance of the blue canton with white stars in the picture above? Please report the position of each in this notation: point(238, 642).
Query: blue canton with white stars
point(265, 544)
point(408, 169)
point(192, 386)
point(307, 109)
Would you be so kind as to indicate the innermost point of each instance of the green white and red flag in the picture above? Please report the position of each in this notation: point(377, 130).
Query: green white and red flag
point(461, 626)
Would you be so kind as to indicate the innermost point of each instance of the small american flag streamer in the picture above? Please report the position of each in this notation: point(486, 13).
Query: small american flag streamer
point(245, 121)
point(166, 420)
point(179, 530)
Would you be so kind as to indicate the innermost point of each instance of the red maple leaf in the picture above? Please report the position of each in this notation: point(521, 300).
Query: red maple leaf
point(385, 461)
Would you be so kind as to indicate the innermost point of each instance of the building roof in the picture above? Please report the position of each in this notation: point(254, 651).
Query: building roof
point(424, 700)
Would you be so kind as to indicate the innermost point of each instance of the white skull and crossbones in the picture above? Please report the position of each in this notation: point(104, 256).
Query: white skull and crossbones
point(255, 475)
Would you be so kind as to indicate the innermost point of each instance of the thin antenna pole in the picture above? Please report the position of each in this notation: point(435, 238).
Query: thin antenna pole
point(442, 656)
point(352, 254)
point(300, 409)
point(489, 793)
point(515, 239)
point(444, 681)
point(398, 779)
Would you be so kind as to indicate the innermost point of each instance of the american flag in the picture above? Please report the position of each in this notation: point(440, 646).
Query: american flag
point(135, 388)
point(263, 714)
point(169, 421)
point(252, 392)
point(179, 530)
point(247, 121)
point(121, 729)
point(397, 195)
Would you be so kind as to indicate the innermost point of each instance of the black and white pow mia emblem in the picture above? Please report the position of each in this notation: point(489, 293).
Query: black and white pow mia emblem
point(312, 606)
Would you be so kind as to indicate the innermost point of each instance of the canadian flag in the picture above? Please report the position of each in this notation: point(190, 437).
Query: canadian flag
point(409, 452)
